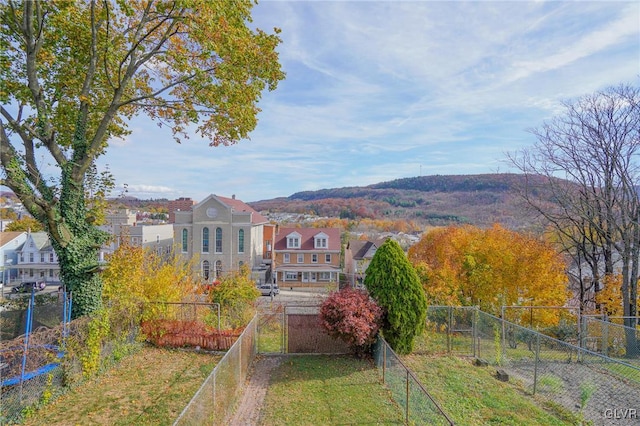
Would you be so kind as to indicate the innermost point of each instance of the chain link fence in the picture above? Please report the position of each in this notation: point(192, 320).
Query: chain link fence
point(30, 353)
point(601, 389)
point(45, 359)
point(419, 407)
point(215, 399)
point(601, 334)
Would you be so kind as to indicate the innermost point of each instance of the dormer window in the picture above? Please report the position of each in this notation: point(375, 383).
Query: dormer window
point(320, 241)
point(293, 240)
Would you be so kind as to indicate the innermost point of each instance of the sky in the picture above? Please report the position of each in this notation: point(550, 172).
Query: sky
point(382, 90)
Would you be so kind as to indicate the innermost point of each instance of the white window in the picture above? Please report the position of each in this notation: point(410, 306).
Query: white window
point(41, 257)
point(324, 276)
point(327, 258)
point(293, 240)
point(287, 258)
point(300, 258)
point(291, 276)
point(51, 258)
point(314, 258)
point(30, 257)
point(320, 242)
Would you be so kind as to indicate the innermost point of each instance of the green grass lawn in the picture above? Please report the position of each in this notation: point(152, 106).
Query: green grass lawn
point(471, 395)
point(328, 390)
point(150, 387)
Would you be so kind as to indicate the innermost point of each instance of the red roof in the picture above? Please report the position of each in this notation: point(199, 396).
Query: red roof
point(239, 206)
point(307, 238)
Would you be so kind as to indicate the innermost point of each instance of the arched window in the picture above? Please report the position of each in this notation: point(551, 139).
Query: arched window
point(205, 240)
point(240, 264)
point(205, 270)
point(218, 269)
point(185, 245)
point(218, 240)
point(241, 241)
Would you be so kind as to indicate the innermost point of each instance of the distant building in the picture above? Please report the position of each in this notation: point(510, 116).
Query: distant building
point(37, 260)
point(122, 223)
point(224, 234)
point(4, 223)
point(9, 244)
point(181, 204)
point(357, 256)
point(308, 257)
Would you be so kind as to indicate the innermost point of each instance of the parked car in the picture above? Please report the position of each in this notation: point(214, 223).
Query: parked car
point(265, 289)
point(26, 287)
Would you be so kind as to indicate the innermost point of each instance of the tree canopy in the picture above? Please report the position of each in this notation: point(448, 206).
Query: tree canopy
point(73, 73)
point(489, 268)
point(394, 284)
point(25, 224)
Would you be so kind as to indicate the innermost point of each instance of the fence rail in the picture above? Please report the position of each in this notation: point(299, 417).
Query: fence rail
point(585, 382)
point(216, 397)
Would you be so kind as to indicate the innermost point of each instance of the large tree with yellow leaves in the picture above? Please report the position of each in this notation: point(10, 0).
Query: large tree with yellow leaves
point(72, 73)
point(490, 268)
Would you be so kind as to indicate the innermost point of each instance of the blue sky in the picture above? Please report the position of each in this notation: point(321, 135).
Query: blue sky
point(377, 91)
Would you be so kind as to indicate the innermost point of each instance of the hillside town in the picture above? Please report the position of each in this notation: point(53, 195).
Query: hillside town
point(460, 244)
point(223, 233)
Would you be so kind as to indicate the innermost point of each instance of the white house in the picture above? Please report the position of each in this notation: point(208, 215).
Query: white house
point(36, 259)
point(9, 243)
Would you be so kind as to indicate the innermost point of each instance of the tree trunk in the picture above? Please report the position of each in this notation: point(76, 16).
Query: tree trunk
point(77, 244)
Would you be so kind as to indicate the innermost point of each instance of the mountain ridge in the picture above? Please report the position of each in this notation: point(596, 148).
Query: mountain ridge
point(480, 199)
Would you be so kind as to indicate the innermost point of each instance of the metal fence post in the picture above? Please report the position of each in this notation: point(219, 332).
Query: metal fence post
point(406, 410)
point(503, 320)
point(450, 321)
point(283, 343)
point(474, 331)
point(605, 338)
point(535, 366)
point(384, 359)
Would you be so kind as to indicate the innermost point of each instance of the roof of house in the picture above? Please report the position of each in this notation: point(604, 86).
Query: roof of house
point(359, 248)
point(40, 239)
point(7, 236)
point(307, 238)
point(239, 206)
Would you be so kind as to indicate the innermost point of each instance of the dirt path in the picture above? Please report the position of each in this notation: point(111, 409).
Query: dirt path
point(247, 412)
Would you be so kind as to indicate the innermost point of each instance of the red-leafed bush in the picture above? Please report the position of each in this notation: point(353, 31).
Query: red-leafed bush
point(350, 315)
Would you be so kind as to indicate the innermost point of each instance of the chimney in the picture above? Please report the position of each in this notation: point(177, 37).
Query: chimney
point(233, 197)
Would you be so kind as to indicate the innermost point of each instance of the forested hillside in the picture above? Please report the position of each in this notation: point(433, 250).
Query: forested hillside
point(431, 200)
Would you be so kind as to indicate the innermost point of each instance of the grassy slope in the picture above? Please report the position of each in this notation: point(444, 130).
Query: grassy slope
point(473, 396)
point(150, 387)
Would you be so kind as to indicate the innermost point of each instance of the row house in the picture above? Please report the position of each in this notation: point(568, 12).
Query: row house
point(224, 234)
point(308, 257)
point(357, 256)
point(37, 260)
point(10, 242)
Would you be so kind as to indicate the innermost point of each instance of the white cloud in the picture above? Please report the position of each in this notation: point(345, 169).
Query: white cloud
point(381, 90)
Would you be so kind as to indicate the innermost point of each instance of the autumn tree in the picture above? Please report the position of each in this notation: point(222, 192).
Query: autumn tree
point(73, 73)
point(394, 284)
point(236, 293)
point(8, 213)
point(25, 224)
point(490, 268)
point(593, 146)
